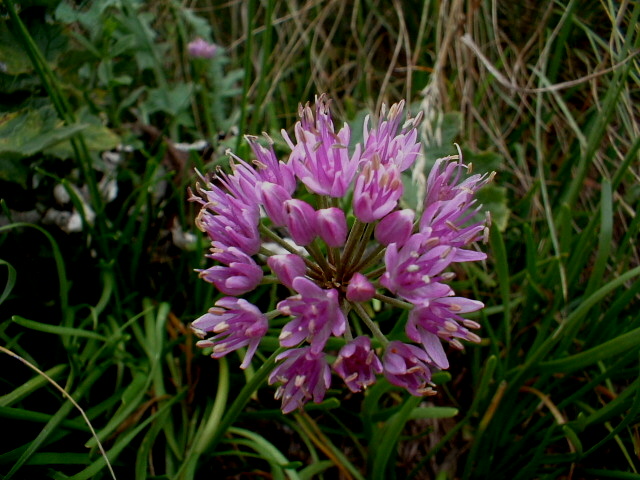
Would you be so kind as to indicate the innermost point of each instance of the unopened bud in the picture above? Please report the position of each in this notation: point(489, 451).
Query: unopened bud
point(332, 226)
point(395, 227)
point(360, 289)
point(287, 267)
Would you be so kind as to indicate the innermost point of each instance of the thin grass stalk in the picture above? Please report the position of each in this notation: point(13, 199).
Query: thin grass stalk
point(568, 323)
point(210, 435)
point(545, 198)
point(596, 129)
point(265, 63)
point(246, 83)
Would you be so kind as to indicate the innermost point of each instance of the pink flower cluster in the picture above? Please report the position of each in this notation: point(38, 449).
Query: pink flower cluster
point(328, 225)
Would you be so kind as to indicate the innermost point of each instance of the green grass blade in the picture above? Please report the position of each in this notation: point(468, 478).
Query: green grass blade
point(605, 238)
point(62, 331)
point(615, 346)
point(124, 440)
point(59, 416)
point(388, 438)
point(268, 450)
point(501, 264)
point(31, 386)
point(59, 261)
point(11, 281)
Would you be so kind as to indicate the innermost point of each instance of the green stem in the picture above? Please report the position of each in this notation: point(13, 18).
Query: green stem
point(243, 397)
point(269, 280)
point(60, 103)
point(354, 235)
point(362, 246)
point(393, 301)
point(377, 272)
point(371, 259)
point(370, 324)
point(211, 429)
point(273, 236)
point(314, 249)
point(206, 102)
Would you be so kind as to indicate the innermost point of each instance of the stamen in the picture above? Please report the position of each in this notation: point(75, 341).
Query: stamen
point(219, 347)
point(351, 377)
point(451, 326)
point(472, 337)
point(470, 323)
point(221, 327)
point(299, 381)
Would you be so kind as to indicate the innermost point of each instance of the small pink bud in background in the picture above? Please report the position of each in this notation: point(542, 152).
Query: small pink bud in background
point(287, 267)
point(301, 221)
point(395, 227)
point(200, 48)
point(332, 226)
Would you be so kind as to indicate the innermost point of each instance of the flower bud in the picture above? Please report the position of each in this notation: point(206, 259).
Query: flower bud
point(287, 267)
point(360, 289)
point(332, 226)
point(301, 221)
point(273, 198)
point(240, 275)
point(395, 227)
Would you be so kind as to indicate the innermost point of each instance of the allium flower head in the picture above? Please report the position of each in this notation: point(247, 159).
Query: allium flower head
point(332, 230)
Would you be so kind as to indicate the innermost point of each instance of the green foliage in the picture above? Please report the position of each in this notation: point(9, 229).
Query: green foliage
point(548, 99)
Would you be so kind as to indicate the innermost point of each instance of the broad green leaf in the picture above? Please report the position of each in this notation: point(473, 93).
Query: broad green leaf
point(483, 162)
point(171, 101)
point(494, 200)
point(446, 130)
point(98, 138)
point(13, 170)
point(31, 131)
point(14, 60)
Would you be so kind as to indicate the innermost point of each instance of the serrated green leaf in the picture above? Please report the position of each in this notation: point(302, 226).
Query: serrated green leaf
point(13, 58)
point(446, 129)
point(486, 161)
point(98, 138)
point(31, 131)
point(171, 101)
point(13, 170)
point(494, 200)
